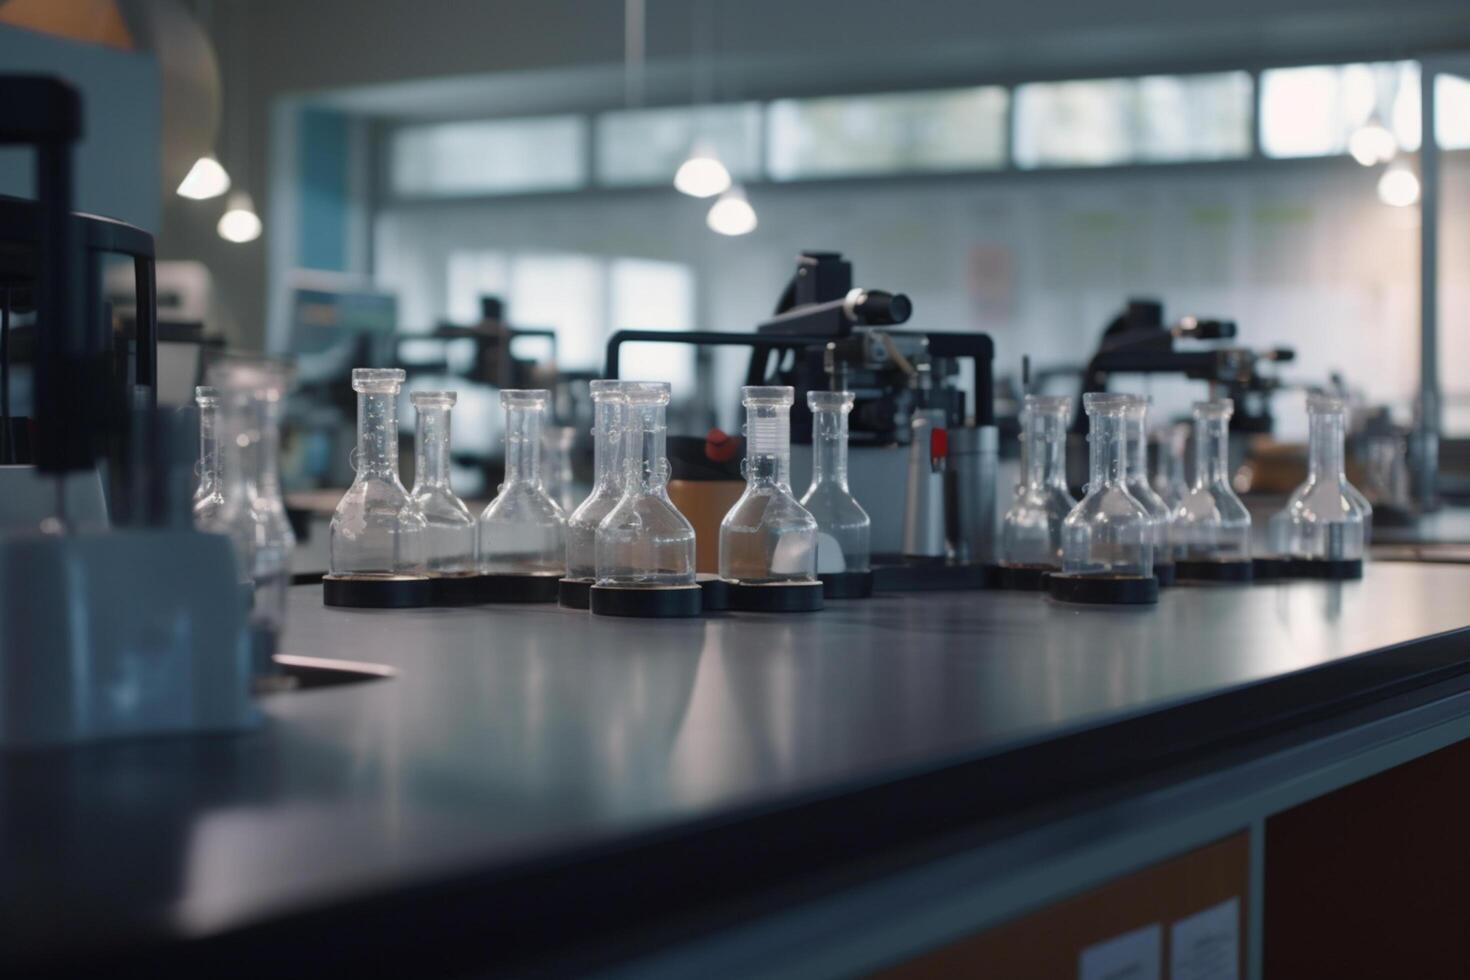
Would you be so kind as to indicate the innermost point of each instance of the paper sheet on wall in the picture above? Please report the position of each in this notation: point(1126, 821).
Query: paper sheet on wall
point(1206, 945)
point(1134, 955)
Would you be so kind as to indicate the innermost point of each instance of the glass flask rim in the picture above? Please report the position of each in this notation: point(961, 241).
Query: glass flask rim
point(206, 396)
point(433, 399)
point(262, 374)
point(1319, 403)
point(605, 387)
point(1138, 406)
point(775, 396)
point(827, 401)
point(1214, 408)
point(1047, 404)
point(647, 393)
point(1105, 403)
point(378, 381)
point(524, 397)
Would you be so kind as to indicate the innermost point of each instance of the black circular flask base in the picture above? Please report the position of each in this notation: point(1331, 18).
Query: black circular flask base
point(1273, 568)
point(649, 602)
point(458, 590)
point(1214, 571)
point(776, 597)
point(377, 592)
point(1166, 572)
point(1112, 590)
point(716, 592)
point(574, 593)
point(520, 588)
point(1022, 578)
point(847, 585)
point(1329, 569)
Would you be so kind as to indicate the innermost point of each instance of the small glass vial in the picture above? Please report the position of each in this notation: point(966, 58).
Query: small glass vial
point(1136, 452)
point(253, 513)
point(608, 410)
point(376, 531)
point(523, 531)
point(450, 538)
point(1031, 531)
point(209, 495)
point(1107, 539)
point(767, 538)
point(1324, 520)
point(1212, 527)
point(644, 546)
point(845, 530)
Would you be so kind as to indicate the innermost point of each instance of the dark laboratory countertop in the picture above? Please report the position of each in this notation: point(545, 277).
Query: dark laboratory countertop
point(530, 761)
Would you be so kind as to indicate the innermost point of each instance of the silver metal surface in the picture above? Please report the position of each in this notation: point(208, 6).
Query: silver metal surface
point(974, 458)
point(511, 732)
point(923, 511)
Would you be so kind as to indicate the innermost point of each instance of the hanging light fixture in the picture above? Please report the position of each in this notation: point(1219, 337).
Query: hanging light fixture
point(1399, 185)
point(239, 223)
point(702, 174)
point(732, 214)
point(1373, 143)
point(206, 179)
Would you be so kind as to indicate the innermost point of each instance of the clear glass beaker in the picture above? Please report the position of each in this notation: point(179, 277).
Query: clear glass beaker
point(253, 513)
point(1109, 533)
point(1031, 531)
point(209, 495)
point(376, 532)
point(1211, 523)
point(1323, 519)
point(523, 531)
point(644, 541)
point(767, 536)
point(845, 530)
point(1136, 452)
point(608, 411)
point(450, 535)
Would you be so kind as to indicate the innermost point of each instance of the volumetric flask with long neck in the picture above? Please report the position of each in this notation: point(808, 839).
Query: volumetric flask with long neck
point(644, 541)
point(608, 410)
point(450, 538)
point(1136, 453)
point(845, 528)
point(523, 531)
point(1109, 533)
point(1324, 517)
point(767, 536)
point(1211, 523)
point(1031, 532)
point(376, 531)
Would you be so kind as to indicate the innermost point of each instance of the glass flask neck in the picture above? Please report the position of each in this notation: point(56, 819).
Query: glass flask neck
point(1044, 450)
point(1211, 451)
point(644, 447)
point(829, 447)
point(522, 445)
point(269, 443)
point(1136, 448)
point(1325, 456)
point(768, 445)
point(431, 448)
point(1106, 441)
point(208, 443)
point(377, 435)
point(607, 443)
point(238, 451)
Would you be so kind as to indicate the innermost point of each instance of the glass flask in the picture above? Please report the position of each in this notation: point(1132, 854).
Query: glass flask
point(1136, 453)
point(1210, 523)
point(1323, 519)
point(556, 465)
point(253, 513)
point(644, 541)
point(1169, 480)
point(209, 495)
point(376, 532)
point(845, 530)
point(1109, 533)
point(767, 536)
point(608, 410)
point(1031, 531)
point(523, 531)
point(450, 537)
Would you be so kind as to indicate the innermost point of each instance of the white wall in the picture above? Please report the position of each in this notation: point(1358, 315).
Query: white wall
point(1299, 254)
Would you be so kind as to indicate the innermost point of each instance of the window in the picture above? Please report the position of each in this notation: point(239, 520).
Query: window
point(1313, 111)
point(1155, 119)
point(503, 156)
point(648, 295)
point(646, 146)
point(1452, 112)
point(954, 129)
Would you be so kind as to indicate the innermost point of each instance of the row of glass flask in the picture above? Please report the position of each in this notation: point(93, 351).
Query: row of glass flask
point(1127, 526)
point(627, 532)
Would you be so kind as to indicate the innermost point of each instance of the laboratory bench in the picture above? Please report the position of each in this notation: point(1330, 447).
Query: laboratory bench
point(928, 784)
